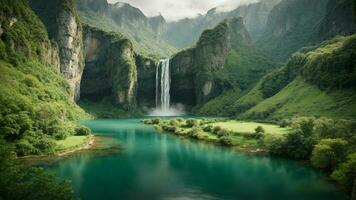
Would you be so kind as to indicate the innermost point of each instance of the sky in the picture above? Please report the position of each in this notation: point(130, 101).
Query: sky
point(173, 10)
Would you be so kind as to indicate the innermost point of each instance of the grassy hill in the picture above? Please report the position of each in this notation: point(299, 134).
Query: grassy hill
point(316, 81)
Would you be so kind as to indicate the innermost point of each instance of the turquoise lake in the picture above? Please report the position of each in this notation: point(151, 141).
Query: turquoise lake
point(164, 167)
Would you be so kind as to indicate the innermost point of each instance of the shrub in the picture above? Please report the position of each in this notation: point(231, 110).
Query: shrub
point(147, 121)
point(156, 121)
point(216, 129)
point(346, 173)
point(259, 129)
point(174, 122)
point(168, 128)
point(223, 133)
point(323, 157)
point(226, 140)
point(328, 153)
point(82, 131)
point(208, 128)
point(194, 133)
point(192, 122)
point(284, 123)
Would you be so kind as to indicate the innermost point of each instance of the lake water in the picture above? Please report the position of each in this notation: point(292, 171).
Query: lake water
point(159, 166)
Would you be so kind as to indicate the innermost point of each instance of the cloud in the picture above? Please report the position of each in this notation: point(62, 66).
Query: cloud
point(173, 10)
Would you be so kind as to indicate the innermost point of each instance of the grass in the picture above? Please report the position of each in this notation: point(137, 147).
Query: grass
point(71, 143)
point(303, 99)
point(233, 133)
point(249, 127)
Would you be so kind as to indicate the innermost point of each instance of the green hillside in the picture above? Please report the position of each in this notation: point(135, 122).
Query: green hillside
point(317, 81)
point(35, 105)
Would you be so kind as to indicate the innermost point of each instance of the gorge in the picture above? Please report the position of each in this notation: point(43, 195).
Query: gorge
point(254, 102)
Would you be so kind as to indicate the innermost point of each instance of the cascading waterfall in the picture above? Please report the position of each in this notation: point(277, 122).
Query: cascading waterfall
point(163, 84)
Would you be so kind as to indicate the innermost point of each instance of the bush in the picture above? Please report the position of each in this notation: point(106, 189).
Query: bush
point(259, 129)
point(192, 122)
point(223, 133)
point(284, 123)
point(194, 133)
point(323, 157)
point(346, 173)
point(174, 122)
point(82, 131)
point(216, 129)
point(156, 121)
point(226, 140)
point(171, 129)
point(208, 128)
point(328, 153)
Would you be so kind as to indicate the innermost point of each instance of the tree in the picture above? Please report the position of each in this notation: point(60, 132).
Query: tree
point(259, 129)
point(323, 157)
point(28, 183)
point(345, 174)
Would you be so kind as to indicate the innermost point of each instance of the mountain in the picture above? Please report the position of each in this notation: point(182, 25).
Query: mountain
point(223, 58)
point(123, 18)
point(186, 32)
point(293, 24)
point(316, 81)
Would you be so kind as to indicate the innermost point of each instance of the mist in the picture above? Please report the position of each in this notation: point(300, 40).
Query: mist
point(173, 10)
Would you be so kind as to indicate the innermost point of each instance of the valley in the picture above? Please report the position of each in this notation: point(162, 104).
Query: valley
point(234, 96)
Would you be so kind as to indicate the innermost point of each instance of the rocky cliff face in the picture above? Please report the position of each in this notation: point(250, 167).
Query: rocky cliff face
point(223, 58)
point(110, 69)
point(293, 24)
point(65, 29)
point(339, 20)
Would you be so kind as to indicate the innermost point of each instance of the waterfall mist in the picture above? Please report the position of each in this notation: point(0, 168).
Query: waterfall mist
point(163, 107)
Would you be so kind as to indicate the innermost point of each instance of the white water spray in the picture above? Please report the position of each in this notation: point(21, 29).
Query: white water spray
point(163, 107)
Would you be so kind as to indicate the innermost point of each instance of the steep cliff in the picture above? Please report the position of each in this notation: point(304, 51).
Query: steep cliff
point(65, 29)
point(110, 69)
point(35, 105)
point(293, 24)
point(141, 30)
point(184, 33)
point(223, 58)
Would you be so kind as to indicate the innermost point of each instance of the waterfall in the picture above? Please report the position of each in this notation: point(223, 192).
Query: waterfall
point(165, 85)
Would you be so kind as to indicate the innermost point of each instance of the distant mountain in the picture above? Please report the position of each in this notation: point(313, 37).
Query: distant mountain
point(129, 21)
point(186, 32)
point(223, 58)
point(293, 24)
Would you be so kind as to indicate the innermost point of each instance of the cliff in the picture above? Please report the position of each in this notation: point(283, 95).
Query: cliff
point(35, 105)
point(223, 58)
point(293, 24)
point(110, 69)
point(65, 29)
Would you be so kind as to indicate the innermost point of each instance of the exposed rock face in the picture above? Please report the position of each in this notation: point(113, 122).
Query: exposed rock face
point(62, 23)
point(146, 72)
point(339, 20)
point(211, 54)
point(110, 69)
point(183, 73)
point(223, 58)
point(69, 39)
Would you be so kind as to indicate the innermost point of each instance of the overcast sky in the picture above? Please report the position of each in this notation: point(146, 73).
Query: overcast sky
point(177, 9)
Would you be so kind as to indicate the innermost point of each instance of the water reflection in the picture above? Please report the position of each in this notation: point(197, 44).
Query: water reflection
point(160, 166)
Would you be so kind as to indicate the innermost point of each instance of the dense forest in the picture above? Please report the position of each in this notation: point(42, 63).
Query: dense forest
point(290, 63)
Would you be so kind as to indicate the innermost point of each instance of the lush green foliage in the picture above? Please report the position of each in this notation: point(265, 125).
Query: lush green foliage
point(34, 99)
point(23, 182)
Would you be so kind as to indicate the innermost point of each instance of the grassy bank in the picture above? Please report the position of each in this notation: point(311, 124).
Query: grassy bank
point(243, 135)
point(73, 143)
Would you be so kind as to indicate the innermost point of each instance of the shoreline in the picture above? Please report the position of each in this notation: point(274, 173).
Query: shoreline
point(87, 145)
point(90, 143)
